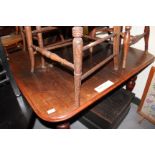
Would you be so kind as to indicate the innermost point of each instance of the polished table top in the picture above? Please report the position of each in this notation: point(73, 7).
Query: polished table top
point(50, 91)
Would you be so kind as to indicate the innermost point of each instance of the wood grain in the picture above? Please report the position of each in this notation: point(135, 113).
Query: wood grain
point(53, 88)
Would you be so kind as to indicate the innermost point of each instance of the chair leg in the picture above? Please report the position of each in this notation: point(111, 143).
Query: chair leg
point(29, 43)
point(92, 34)
point(77, 55)
point(116, 46)
point(61, 37)
point(146, 37)
point(41, 45)
point(126, 44)
point(23, 38)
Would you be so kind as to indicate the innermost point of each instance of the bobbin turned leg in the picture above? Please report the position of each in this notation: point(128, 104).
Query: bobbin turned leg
point(146, 37)
point(29, 44)
point(131, 83)
point(77, 56)
point(65, 125)
point(126, 44)
point(116, 45)
point(41, 45)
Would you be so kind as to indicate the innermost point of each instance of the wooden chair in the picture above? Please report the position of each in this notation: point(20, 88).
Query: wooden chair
point(78, 50)
point(96, 31)
point(130, 40)
point(13, 40)
point(37, 34)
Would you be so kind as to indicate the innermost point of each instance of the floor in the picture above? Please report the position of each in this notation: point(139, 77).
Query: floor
point(132, 121)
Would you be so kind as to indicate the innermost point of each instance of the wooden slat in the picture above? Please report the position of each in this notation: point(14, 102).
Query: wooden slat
point(88, 37)
point(105, 29)
point(59, 44)
point(99, 41)
point(96, 67)
point(10, 39)
point(35, 38)
point(53, 56)
point(44, 29)
point(135, 39)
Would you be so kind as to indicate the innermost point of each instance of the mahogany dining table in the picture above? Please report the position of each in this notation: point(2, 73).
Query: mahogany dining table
point(50, 91)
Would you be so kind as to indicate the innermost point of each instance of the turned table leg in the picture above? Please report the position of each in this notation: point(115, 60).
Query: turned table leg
point(65, 125)
point(131, 83)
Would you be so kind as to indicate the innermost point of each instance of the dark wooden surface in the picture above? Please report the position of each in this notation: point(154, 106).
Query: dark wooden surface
point(6, 30)
point(53, 87)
